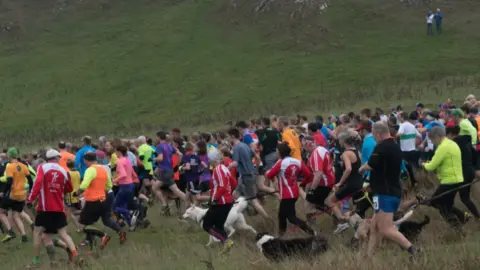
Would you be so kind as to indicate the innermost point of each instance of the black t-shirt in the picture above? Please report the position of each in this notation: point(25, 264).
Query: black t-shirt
point(386, 162)
point(269, 140)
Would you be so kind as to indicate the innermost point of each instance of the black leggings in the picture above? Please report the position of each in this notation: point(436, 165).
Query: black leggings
point(465, 194)
point(214, 221)
point(453, 216)
point(287, 212)
point(411, 158)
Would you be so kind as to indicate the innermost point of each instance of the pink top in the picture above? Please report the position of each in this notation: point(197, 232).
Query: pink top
point(125, 172)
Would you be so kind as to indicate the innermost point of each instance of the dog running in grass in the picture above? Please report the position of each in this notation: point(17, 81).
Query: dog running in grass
point(235, 220)
point(276, 249)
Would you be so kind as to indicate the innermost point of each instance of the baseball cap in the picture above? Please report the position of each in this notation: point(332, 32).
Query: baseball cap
point(364, 124)
point(457, 113)
point(52, 153)
point(12, 152)
point(90, 156)
point(100, 154)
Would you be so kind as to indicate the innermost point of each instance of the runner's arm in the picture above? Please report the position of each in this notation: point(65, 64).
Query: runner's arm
point(90, 174)
point(275, 170)
point(37, 186)
point(436, 160)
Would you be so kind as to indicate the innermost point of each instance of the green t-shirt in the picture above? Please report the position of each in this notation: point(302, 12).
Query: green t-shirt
point(145, 153)
point(466, 128)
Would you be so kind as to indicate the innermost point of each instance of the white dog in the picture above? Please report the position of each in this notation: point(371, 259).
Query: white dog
point(235, 219)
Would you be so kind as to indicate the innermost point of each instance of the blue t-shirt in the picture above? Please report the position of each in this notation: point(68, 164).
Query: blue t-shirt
point(79, 162)
point(368, 146)
point(167, 151)
point(324, 130)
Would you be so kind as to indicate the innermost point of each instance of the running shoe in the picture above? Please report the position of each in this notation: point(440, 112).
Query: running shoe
point(8, 237)
point(341, 227)
point(227, 246)
point(123, 237)
point(84, 243)
point(166, 210)
point(105, 240)
point(24, 239)
point(146, 223)
point(133, 221)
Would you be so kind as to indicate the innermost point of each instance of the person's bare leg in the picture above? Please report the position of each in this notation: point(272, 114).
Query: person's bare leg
point(37, 242)
point(261, 185)
point(256, 204)
point(5, 221)
point(374, 239)
point(74, 218)
point(177, 192)
point(67, 239)
point(333, 204)
point(18, 221)
point(387, 229)
point(142, 197)
point(158, 192)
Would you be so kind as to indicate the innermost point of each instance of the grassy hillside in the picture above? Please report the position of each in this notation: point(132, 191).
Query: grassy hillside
point(117, 67)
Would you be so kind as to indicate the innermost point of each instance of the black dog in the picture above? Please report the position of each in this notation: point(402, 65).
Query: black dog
point(278, 249)
point(411, 229)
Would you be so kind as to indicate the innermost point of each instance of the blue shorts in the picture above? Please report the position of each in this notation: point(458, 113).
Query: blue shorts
point(385, 203)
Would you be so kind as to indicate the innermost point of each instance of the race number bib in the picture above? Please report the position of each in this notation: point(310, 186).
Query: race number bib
point(375, 203)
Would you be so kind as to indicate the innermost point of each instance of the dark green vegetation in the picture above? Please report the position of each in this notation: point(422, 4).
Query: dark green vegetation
point(121, 67)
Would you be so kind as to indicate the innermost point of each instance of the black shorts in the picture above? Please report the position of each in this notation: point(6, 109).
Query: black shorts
point(182, 183)
point(51, 222)
point(137, 188)
point(9, 204)
point(76, 206)
point(93, 211)
point(145, 175)
point(165, 177)
point(318, 196)
point(349, 191)
point(199, 187)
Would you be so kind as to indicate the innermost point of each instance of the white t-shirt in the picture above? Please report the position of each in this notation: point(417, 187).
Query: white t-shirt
point(430, 18)
point(408, 137)
point(384, 118)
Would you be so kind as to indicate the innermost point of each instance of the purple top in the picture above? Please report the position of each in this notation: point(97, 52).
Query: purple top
point(167, 151)
point(205, 176)
point(193, 174)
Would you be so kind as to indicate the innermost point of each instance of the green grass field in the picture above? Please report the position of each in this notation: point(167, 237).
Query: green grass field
point(124, 67)
point(121, 67)
point(171, 244)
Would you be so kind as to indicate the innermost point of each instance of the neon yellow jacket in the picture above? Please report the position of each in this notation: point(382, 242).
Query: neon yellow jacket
point(447, 161)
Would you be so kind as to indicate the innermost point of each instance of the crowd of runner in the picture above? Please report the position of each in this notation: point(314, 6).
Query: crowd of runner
point(329, 163)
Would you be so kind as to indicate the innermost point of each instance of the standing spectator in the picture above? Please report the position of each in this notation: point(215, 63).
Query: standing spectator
point(438, 20)
point(384, 164)
point(430, 17)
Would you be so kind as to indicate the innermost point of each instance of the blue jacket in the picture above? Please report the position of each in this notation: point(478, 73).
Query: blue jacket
point(439, 17)
point(79, 163)
point(368, 146)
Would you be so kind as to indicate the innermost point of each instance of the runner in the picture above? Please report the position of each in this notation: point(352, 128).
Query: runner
point(469, 161)
point(50, 185)
point(79, 160)
point(65, 156)
point(17, 177)
point(291, 137)
point(323, 180)
point(124, 180)
point(351, 181)
point(287, 169)
point(164, 172)
point(384, 165)
point(94, 186)
point(221, 201)
point(447, 162)
point(74, 206)
point(242, 160)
